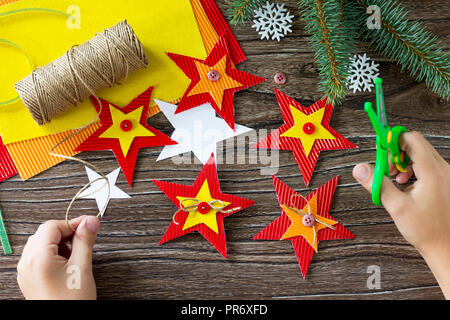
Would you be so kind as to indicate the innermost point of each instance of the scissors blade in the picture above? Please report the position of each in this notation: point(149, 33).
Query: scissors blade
point(380, 100)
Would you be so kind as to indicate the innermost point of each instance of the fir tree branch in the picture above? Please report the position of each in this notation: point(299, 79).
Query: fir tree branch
point(332, 39)
point(326, 41)
point(243, 10)
point(410, 44)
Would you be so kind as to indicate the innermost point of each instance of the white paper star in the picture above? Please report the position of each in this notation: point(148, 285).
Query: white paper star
point(99, 189)
point(197, 130)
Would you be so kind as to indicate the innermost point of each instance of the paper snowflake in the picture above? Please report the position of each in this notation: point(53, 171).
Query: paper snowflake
point(272, 20)
point(363, 73)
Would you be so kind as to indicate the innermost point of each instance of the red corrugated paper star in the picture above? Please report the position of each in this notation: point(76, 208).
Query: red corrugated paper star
point(208, 223)
point(306, 131)
point(303, 249)
point(213, 80)
point(125, 131)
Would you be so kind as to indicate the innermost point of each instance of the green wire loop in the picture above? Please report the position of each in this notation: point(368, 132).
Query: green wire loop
point(10, 43)
point(11, 12)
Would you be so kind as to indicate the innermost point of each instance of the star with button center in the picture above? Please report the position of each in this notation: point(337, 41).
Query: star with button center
point(300, 227)
point(206, 218)
point(126, 127)
point(125, 131)
point(205, 213)
point(213, 80)
point(306, 131)
point(305, 234)
point(308, 128)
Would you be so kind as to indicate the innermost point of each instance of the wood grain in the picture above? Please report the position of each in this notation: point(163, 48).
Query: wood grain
point(128, 263)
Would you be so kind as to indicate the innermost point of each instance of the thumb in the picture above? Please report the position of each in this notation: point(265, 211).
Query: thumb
point(391, 197)
point(83, 241)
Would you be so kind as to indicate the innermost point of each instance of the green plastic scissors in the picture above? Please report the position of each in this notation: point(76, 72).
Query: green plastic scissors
point(387, 140)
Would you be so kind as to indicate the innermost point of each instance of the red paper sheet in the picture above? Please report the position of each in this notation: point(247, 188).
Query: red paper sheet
point(221, 27)
point(7, 167)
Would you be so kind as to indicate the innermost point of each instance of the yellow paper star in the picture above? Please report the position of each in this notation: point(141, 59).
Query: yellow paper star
point(300, 119)
point(215, 88)
point(297, 228)
point(194, 217)
point(126, 137)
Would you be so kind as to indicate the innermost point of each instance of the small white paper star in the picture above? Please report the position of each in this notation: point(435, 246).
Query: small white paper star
point(197, 130)
point(99, 190)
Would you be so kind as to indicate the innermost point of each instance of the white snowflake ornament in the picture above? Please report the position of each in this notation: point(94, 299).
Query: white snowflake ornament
point(363, 73)
point(272, 20)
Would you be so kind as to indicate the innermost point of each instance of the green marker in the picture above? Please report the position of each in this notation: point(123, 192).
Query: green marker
point(4, 237)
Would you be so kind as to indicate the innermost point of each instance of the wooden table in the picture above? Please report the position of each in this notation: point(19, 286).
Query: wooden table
point(129, 263)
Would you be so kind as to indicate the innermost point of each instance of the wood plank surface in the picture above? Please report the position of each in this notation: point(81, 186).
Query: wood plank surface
point(128, 263)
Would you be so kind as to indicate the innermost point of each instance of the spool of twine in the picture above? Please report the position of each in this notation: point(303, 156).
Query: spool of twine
point(83, 70)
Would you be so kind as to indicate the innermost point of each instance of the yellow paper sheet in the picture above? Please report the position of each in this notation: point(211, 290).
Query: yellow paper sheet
point(161, 26)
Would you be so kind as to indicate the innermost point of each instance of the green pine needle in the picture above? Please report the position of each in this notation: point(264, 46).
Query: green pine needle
point(334, 26)
point(410, 44)
point(332, 37)
point(243, 10)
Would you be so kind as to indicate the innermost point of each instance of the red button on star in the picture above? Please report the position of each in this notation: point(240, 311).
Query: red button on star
point(203, 207)
point(126, 125)
point(309, 128)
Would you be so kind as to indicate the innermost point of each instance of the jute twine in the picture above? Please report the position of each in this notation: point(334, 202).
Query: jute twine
point(83, 70)
point(116, 32)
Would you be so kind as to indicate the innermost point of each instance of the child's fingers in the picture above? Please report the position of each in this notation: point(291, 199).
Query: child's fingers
point(403, 177)
point(391, 197)
point(64, 250)
point(50, 233)
point(420, 151)
point(392, 168)
point(48, 236)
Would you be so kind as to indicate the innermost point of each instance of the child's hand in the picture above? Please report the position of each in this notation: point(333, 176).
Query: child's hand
point(48, 269)
point(422, 211)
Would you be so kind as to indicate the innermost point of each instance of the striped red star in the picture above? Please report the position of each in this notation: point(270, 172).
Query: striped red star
point(213, 80)
point(210, 225)
point(306, 131)
point(279, 228)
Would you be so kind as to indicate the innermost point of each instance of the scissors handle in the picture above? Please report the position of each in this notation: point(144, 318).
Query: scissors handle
point(398, 157)
point(381, 170)
point(387, 142)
